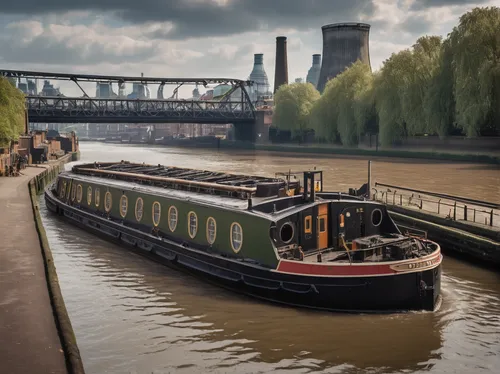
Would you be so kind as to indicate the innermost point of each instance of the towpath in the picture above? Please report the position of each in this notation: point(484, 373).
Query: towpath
point(29, 340)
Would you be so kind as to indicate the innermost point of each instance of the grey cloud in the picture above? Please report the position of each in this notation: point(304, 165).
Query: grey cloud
point(207, 18)
point(416, 24)
point(422, 4)
point(46, 50)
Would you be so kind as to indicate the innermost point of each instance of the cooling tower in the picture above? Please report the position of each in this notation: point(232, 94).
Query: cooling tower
point(281, 71)
point(313, 73)
point(343, 44)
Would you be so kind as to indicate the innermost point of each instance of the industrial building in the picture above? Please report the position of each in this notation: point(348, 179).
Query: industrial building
point(313, 73)
point(343, 45)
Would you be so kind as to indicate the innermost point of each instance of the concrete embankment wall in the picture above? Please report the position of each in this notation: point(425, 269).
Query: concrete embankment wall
point(63, 323)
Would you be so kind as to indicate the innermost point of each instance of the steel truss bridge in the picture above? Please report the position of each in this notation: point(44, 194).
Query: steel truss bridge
point(234, 107)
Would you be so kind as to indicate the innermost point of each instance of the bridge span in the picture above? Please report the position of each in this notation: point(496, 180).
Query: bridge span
point(90, 110)
point(234, 107)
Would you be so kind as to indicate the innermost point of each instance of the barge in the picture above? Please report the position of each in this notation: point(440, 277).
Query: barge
point(282, 239)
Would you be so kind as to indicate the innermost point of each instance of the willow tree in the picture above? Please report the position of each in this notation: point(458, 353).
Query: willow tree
point(324, 114)
point(389, 84)
point(417, 77)
point(439, 100)
point(11, 112)
point(476, 62)
point(293, 104)
point(354, 102)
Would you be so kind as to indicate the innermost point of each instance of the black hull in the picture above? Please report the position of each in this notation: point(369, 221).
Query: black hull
point(393, 293)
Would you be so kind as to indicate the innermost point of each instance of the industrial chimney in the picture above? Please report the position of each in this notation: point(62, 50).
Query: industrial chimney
point(343, 45)
point(281, 72)
point(313, 73)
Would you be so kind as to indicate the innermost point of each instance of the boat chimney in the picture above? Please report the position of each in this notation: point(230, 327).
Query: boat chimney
point(250, 204)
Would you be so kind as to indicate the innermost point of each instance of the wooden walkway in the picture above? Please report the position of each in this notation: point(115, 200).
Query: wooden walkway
point(29, 338)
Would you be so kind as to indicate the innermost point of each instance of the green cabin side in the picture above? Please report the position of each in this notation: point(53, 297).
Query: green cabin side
point(208, 226)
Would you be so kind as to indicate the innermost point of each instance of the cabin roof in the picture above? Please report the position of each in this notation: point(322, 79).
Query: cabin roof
point(239, 186)
point(199, 198)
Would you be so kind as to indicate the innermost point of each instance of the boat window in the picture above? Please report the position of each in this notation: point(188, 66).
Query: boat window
point(308, 225)
point(172, 218)
point(97, 198)
point(79, 193)
point(123, 206)
point(73, 192)
point(156, 213)
point(139, 209)
point(68, 190)
point(376, 217)
point(63, 190)
point(192, 224)
point(236, 237)
point(322, 225)
point(211, 230)
point(89, 195)
point(108, 201)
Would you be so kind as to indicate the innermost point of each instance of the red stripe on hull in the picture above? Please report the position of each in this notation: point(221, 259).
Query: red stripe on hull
point(337, 269)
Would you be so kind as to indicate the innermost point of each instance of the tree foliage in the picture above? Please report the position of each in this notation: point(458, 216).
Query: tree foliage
point(11, 112)
point(435, 87)
point(475, 45)
point(293, 104)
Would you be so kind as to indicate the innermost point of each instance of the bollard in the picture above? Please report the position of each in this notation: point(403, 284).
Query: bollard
point(474, 214)
point(439, 205)
point(394, 198)
point(401, 199)
point(421, 204)
point(465, 212)
point(455, 211)
point(491, 218)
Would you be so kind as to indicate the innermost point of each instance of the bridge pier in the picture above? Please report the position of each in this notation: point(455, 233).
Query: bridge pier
point(254, 132)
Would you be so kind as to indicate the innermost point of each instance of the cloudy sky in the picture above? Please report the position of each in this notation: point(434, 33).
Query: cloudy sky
point(203, 38)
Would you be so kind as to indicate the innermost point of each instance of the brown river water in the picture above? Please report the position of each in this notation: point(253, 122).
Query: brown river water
point(133, 315)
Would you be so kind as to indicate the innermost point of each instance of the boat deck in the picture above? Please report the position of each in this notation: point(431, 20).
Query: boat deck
point(202, 181)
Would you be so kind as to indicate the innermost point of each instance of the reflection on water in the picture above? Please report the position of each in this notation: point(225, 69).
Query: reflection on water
point(132, 315)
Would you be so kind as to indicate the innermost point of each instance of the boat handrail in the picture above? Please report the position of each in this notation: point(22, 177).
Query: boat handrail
point(168, 179)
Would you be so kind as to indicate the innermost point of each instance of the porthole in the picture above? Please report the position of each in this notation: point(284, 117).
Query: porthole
point(97, 198)
point(139, 209)
point(89, 195)
point(123, 206)
point(172, 218)
point(108, 201)
point(192, 224)
point(79, 193)
point(286, 232)
point(211, 230)
point(63, 190)
point(236, 239)
point(376, 217)
point(156, 213)
point(73, 192)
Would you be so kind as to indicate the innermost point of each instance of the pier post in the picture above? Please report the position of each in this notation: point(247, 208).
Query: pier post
point(369, 179)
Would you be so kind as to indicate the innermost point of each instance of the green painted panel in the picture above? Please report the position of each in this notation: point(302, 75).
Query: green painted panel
point(256, 242)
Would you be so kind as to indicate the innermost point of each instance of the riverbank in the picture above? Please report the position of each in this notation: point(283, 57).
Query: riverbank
point(486, 158)
point(35, 329)
point(332, 150)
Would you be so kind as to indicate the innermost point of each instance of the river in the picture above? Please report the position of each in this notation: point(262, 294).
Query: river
point(132, 315)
